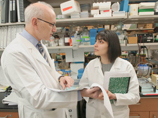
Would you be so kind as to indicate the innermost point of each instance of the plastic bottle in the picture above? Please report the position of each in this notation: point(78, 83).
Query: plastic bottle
point(80, 73)
point(77, 38)
point(66, 37)
point(72, 40)
point(85, 39)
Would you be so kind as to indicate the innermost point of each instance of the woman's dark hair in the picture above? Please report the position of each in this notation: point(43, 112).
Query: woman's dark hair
point(114, 49)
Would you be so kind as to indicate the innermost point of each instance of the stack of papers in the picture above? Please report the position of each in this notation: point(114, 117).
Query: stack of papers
point(107, 103)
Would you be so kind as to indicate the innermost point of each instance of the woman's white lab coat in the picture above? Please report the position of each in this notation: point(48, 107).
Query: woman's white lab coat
point(93, 74)
point(29, 75)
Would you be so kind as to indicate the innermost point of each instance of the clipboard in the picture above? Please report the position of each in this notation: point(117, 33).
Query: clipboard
point(117, 82)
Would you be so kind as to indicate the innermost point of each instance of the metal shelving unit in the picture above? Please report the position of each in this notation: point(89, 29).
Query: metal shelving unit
point(100, 21)
point(139, 29)
point(8, 24)
point(142, 19)
point(81, 21)
point(90, 21)
point(90, 48)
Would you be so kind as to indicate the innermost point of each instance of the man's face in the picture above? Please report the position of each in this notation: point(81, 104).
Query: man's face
point(45, 28)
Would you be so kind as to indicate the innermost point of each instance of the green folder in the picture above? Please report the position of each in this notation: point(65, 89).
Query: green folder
point(119, 84)
point(117, 81)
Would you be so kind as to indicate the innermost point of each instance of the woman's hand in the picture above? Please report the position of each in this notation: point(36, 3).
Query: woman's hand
point(110, 95)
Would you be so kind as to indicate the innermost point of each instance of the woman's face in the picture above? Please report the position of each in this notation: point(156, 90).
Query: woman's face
point(100, 48)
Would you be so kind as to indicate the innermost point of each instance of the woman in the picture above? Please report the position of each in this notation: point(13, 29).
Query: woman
point(107, 47)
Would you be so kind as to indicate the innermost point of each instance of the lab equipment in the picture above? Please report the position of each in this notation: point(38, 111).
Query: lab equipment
point(85, 40)
point(155, 79)
point(115, 7)
point(146, 86)
point(70, 7)
point(80, 73)
point(143, 70)
point(133, 9)
point(100, 29)
point(124, 5)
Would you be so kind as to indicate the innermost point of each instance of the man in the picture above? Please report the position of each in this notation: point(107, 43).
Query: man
point(29, 70)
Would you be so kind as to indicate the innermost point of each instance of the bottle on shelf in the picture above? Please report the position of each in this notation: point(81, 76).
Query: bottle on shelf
point(66, 37)
point(77, 38)
point(85, 39)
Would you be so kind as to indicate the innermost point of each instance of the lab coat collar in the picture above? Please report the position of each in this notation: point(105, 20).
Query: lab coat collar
point(116, 64)
point(35, 53)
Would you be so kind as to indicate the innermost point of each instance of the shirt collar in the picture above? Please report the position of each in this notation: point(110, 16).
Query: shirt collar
point(30, 38)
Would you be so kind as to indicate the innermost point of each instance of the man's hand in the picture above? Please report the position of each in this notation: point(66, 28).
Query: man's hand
point(92, 93)
point(66, 81)
point(111, 95)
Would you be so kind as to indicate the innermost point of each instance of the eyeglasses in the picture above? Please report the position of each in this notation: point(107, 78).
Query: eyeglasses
point(47, 22)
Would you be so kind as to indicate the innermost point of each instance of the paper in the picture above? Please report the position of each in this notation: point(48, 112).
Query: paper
point(107, 103)
point(109, 74)
point(11, 99)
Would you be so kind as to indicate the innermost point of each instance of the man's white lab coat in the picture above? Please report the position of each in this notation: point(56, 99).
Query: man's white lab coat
point(93, 74)
point(29, 75)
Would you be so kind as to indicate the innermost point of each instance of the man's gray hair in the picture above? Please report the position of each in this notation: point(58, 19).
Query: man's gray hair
point(35, 11)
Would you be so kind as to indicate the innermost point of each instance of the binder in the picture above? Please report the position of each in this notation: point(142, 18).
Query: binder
point(4, 11)
point(0, 11)
point(21, 4)
point(5, 36)
point(0, 36)
point(14, 18)
point(20, 10)
point(117, 82)
point(8, 34)
point(10, 10)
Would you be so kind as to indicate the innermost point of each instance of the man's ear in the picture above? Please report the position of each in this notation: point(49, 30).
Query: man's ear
point(35, 23)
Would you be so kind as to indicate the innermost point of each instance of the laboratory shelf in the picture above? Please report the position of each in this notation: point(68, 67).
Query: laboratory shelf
point(153, 61)
point(90, 48)
point(81, 21)
point(142, 19)
point(8, 24)
point(138, 29)
point(150, 46)
point(100, 21)
point(90, 21)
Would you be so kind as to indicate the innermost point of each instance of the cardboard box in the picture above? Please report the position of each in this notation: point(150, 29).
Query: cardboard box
point(70, 7)
point(154, 79)
point(132, 40)
point(107, 27)
point(141, 26)
point(149, 26)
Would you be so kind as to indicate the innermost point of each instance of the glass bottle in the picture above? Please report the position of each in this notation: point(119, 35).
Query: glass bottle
point(66, 37)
